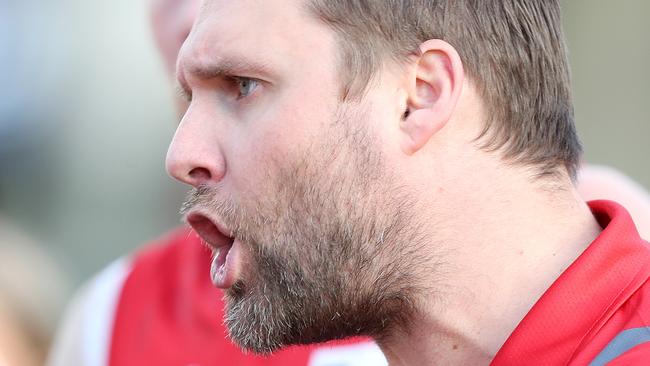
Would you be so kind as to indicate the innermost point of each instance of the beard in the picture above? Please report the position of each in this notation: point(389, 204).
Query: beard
point(333, 245)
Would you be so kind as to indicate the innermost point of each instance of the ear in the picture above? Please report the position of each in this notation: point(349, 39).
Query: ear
point(434, 88)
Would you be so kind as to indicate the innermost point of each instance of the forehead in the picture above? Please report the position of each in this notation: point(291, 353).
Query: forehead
point(274, 32)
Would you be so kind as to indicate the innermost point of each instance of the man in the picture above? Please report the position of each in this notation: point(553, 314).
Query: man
point(124, 315)
point(190, 340)
point(402, 171)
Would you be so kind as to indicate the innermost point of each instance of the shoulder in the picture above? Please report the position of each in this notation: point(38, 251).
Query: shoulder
point(84, 334)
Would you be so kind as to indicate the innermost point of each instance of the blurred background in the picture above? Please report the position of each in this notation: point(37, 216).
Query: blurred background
point(86, 113)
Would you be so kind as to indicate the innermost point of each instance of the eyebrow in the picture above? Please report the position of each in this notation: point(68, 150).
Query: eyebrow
point(220, 68)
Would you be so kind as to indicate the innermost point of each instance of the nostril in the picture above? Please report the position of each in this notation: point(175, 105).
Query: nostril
point(200, 175)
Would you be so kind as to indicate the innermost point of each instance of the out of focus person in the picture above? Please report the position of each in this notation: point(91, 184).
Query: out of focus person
point(603, 182)
point(32, 287)
point(158, 306)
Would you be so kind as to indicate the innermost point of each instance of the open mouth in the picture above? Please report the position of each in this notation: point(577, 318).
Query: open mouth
point(215, 236)
point(224, 267)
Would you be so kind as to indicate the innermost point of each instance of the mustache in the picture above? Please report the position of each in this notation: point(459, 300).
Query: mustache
point(211, 199)
point(202, 196)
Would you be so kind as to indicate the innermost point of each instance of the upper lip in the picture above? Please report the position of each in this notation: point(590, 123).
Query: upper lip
point(209, 229)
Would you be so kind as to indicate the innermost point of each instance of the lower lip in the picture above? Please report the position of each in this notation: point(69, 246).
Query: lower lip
point(225, 265)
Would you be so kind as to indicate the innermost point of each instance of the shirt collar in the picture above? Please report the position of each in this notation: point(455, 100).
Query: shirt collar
point(614, 265)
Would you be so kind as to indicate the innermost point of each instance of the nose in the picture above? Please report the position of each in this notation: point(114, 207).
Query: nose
point(194, 156)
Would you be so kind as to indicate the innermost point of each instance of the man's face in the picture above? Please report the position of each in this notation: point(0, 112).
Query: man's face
point(314, 236)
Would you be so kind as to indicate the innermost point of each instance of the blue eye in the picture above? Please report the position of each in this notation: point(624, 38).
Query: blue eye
point(246, 86)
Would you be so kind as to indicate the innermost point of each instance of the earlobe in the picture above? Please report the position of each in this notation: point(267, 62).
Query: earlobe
point(434, 88)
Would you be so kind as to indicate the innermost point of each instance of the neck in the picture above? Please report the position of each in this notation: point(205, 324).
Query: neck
point(503, 239)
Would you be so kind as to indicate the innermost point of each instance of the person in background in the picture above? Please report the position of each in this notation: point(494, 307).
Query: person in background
point(157, 306)
point(28, 305)
point(603, 182)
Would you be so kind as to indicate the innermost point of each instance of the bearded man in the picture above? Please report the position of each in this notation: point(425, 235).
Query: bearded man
point(402, 170)
point(396, 210)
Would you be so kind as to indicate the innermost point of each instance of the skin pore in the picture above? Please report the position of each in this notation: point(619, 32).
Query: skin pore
point(403, 226)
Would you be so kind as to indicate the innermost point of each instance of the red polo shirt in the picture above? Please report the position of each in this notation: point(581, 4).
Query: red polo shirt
point(598, 311)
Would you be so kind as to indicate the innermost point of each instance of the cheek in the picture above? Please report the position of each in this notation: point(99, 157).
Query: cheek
point(277, 133)
point(275, 140)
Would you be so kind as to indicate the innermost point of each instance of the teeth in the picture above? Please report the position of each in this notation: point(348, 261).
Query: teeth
point(216, 270)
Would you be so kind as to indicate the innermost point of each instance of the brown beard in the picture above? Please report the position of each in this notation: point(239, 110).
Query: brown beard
point(334, 246)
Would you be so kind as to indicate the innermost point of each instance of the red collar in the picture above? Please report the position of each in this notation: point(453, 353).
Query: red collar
point(583, 298)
